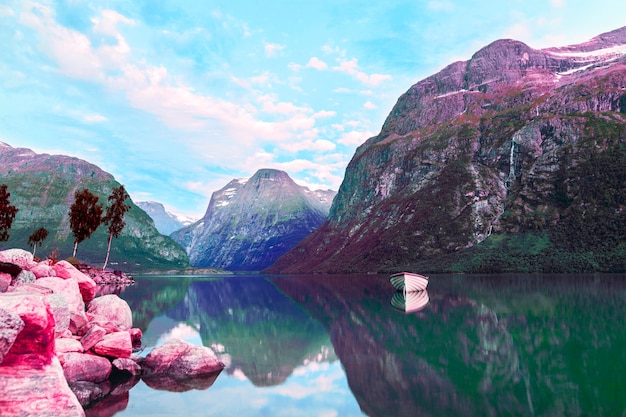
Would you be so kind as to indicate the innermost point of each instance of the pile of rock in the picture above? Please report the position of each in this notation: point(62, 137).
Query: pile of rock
point(60, 347)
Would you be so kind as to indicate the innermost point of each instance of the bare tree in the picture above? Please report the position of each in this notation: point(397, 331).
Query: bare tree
point(85, 216)
point(36, 237)
point(114, 217)
point(7, 213)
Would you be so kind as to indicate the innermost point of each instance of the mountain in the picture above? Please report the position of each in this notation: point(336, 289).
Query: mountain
point(514, 160)
point(251, 222)
point(42, 187)
point(165, 222)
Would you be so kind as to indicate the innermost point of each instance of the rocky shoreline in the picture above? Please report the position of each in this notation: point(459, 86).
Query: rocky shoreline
point(66, 352)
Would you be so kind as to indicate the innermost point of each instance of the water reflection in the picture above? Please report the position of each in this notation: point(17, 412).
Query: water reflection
point(485, 345)
point(410, 302)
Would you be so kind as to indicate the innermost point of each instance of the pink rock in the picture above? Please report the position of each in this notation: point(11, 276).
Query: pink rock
point(10, 326)
point(31, 289)
point(69, 289)
point(179, 359)
point(60, 311)
point(42, 270)
point(135, 336)
point(115, 345)
point(37, 392)
point(85, 367)
point(94, 335)
point(5, 281)
point(128, 365)
point(34, 344)
point(64, 345)
point(105, 324)
point(77, 322)
point(112, 308)
point(87, 286)
point(20, 257)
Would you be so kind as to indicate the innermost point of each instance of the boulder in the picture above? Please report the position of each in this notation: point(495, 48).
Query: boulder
point(113, 309)
point(85, 367)
point(60, 311)
point(43, 269)
point(10, 268)
point(5, 281)
point(127, 365)
point(69, 289)
point(20, 257)
point(25, 277)
point(179, 360)
point(64, 345)
point(87, 286)
point(135, 336)
point(87, 392)
point(168, 383)
point(115, 345)
point(10, 325)
point(34, 344)
point(94, 335)
point(25, 391)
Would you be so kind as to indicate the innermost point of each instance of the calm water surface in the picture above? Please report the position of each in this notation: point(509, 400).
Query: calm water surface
point(521, 345)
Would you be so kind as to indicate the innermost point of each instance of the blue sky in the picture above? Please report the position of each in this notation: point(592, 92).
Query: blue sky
point(176, 98)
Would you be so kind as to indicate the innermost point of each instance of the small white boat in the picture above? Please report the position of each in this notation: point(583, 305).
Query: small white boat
point(410, 302)
point(408, 281)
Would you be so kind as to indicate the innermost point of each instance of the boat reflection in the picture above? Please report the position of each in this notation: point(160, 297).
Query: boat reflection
point(410, 302)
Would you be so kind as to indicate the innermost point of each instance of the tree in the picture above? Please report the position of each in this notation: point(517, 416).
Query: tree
point(85, 216)
point(37, 236)
point(114, 217)
point(7, 213)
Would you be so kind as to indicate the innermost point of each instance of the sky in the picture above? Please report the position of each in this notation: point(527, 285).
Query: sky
point(177, 98)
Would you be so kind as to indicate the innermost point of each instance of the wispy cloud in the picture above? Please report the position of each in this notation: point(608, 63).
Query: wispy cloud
point(273, 49)
point(317, 64)
point(351, 67)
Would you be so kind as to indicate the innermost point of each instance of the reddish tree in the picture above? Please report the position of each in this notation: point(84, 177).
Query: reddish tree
point(85, 216)
point(37, 236)
point(7, 213)
point(114, 217)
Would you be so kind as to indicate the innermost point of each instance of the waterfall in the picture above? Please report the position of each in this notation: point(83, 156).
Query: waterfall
point(511, 176)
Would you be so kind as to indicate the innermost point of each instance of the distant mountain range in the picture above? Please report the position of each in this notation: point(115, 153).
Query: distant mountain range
point(251, 222)
point(165, 222)
point(42, 187)
point(512, 161)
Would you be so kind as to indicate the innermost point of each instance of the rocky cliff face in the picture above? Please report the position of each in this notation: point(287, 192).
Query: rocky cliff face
point(250, 223)
point(42, 187)
point(512, 160)
point(165, 222)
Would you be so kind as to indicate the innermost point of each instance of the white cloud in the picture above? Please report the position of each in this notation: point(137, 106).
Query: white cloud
point(107, 24)
point(324, 113)
point(352, 138)
point(272, 49)
point(6, 11)
point(519, 31)
point(94, 118)
point(320, 145)
point(351, 67)
point(294, 67)
point(558, 4)
point(441, 6)
point(369, 105)
point(317, 64)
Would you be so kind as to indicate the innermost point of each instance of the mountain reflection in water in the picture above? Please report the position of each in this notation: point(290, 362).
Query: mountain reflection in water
point(482, 345)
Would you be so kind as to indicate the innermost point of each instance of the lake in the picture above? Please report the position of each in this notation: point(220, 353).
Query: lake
point(333, 345)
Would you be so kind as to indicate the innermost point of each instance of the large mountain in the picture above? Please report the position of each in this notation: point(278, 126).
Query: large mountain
point(42, 187)
point(165, 222)
point(251, 222)
point(514, 160)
